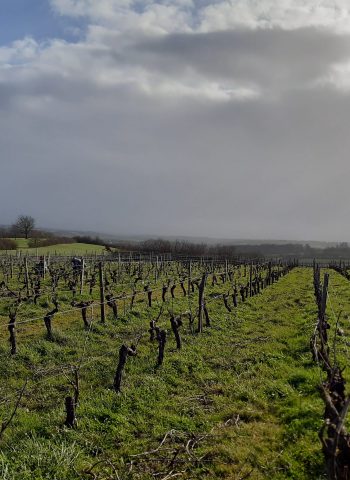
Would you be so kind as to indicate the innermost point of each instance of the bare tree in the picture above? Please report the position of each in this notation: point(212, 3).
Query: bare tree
point(25, 225)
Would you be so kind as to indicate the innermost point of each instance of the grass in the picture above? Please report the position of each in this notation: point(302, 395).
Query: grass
point(68, 249)
point(21, 242)
point(238, 401)
point(61, 249)
point(338, 314)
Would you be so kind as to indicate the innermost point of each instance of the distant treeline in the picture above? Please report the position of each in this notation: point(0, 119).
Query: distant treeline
point(41, 238)
point(291, 250)
point(13, 232)
point(182, 247)
point(179, 247)
point(296, 250)
point(89, 240)
point(9, 232)
point(161, 246)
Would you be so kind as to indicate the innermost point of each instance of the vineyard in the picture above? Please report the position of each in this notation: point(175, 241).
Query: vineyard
point(117, 367)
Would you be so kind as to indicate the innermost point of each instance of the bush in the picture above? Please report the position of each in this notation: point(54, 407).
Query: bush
point(46, 242)
point(89, 240)
point(7, 244)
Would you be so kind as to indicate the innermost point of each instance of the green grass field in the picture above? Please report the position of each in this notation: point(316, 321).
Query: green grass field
point(68, 249)
point(61, 249)
point(239, 401)
point(21, 242)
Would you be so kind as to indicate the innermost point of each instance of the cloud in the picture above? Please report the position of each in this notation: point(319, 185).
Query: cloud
point(137, 167)
point(218, 66)
point(156, 122)
point(198, 15)
point(269, 60)
point(19, 52)
point(131, 15)
point(286, 14)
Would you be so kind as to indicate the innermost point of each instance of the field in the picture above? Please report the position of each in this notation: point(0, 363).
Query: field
point(59, 249)
point(240, 398)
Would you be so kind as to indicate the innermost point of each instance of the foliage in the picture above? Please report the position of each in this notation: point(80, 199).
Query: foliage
point(36, 242)
point(179, 247)
point(24, 225)
point(7, 244)
point(89, 240)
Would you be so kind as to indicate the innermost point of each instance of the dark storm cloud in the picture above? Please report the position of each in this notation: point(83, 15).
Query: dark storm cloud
point(275, 58)
point(285, 167)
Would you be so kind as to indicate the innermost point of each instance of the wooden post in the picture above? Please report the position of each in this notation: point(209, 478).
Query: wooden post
point(70, 413)
point(11, 329)
point(324, 297)
point(26, 274)
point(149, 296)
point(250, 279)
point(201, 303)
point(102, 293)
point(156, 271)
point(82, 277)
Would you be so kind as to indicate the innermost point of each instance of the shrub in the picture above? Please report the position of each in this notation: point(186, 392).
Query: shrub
point(7, 244)
point(89, 240)
point(46, 242)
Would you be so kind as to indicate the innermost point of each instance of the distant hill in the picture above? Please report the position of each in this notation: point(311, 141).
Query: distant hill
point(111, 237)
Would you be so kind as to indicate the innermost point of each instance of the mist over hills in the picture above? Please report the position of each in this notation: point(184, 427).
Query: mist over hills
point(109, 237)
point(112, 237)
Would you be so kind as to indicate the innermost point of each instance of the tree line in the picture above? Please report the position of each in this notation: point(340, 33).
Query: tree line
point(24, 227)
point(182, 247)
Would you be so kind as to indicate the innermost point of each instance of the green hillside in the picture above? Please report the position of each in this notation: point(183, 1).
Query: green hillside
point(64, 248)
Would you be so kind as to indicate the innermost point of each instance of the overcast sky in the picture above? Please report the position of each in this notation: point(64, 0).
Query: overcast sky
point(223, 118)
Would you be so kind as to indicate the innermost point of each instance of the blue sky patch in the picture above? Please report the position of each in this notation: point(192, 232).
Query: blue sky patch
point(35, 18)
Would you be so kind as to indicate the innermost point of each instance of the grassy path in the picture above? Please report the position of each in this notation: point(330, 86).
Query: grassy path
point(338, 312)
point(239, 401)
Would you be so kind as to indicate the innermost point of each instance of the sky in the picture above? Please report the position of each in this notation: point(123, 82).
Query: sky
point(218, 118)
